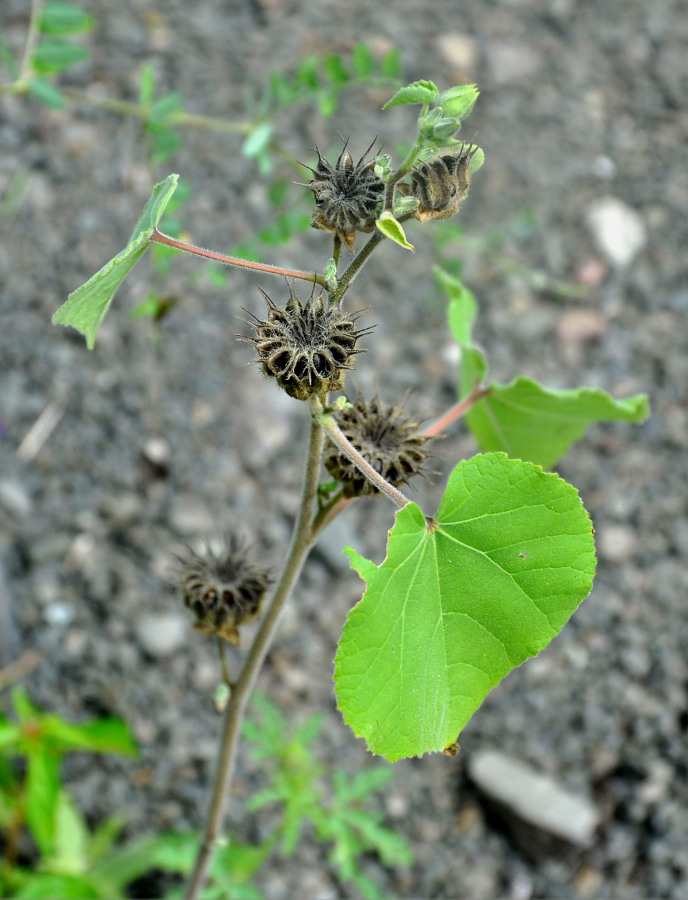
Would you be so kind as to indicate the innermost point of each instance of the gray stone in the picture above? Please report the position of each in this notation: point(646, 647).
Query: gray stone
point(14, 499)
point(540, 815)
point(162, 634)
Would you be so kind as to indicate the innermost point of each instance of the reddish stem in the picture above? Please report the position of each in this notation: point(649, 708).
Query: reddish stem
point(456, 411)
point(159, 238)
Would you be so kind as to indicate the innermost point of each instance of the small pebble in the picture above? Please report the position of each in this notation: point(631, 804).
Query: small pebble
point(618, 230)
point(14, 499)
point(617, 543)
point(162, 634)
point(579, 325)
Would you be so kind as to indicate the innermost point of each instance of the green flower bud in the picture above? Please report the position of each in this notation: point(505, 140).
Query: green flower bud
point(459, 101)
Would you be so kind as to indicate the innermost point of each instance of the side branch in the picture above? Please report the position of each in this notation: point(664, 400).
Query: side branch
point(338, 437)
point(159, 238)
point(456, 411)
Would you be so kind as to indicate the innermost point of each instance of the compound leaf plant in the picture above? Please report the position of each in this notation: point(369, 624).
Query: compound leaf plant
point(463, 595)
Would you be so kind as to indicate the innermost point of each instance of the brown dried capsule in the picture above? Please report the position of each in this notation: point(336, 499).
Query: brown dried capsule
point(308, 347)
point(223, 590)
point(440, 184)
point(346, 195)
point(386, 438)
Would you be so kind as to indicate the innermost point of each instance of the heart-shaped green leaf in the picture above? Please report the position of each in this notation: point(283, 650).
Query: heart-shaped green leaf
point(459, 601)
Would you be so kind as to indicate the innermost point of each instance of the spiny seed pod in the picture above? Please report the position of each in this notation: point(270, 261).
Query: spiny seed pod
point(346, 195)
point(308, 347)
point(440, 184)
point(223, 590)
point(386, 438)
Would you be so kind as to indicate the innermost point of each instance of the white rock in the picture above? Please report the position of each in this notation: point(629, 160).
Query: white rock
point(618, 230)
point(532, 798)
point(162, 634)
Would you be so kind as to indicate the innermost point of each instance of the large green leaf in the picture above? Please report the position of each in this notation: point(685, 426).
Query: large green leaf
point(532, 422)
point(524, 418)
point(459, 601)
point(87, 305)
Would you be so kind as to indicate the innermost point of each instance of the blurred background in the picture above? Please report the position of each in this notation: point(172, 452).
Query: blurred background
point(573, 240)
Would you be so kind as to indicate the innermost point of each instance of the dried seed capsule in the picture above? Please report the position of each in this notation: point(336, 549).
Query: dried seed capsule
point(440, 184)
point(308, 347)
point(388, 440)
point(223, 590)
point(346, 195)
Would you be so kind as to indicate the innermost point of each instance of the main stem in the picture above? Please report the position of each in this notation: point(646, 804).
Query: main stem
point(302, 539)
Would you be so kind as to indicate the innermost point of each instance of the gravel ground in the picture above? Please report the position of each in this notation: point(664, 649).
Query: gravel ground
point(582, 118)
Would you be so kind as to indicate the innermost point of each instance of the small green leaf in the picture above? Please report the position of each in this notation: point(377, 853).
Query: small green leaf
point(102, 840)
point(41, 798)
point(539, 424)
point(327, 102)
point(390, 64)
point(165, 143)
point(458, 101)
point(87, 305)
point(48, 94)
point(392, 229)
point(146, 84)
point(40, 885)
point(477, 161)
point(362, 60)
point(63, 18)
point(10, 734)
point(162, 109)
point(98, 736)
point(404, 205)
point(418, 92)
point(307, 73)
point(24, 709)
point(335, 70)
point(71, 837)
point(125, 864)
point(54, 56)
point(258, 140)
point(459, 601)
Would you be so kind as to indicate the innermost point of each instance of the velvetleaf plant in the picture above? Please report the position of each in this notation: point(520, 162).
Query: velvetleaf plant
point(463, 595)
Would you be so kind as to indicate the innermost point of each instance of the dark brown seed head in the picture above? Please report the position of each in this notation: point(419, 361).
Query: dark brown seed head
point(223, 590)
point(346, 195)
point(440, 184)
point(388, 440)
point(306, 347)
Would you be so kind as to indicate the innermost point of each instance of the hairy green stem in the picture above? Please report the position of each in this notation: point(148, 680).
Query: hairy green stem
point(456, 411)
point(301, 543)
point(404, 168)
point(338, 437)
point(31, 38)
point(361, 258)
point(159, 238)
